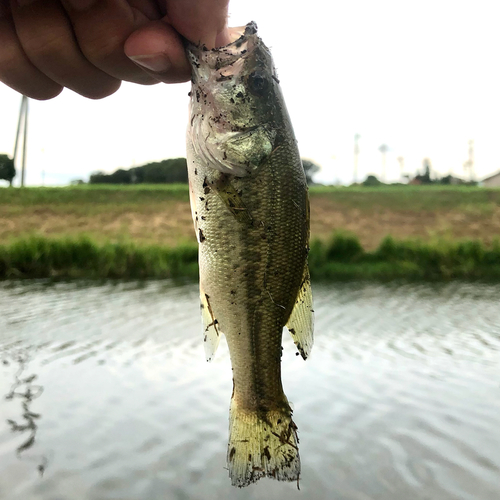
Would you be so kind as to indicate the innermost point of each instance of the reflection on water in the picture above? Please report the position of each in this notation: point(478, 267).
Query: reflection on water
point(25, 390)
point(105, 394)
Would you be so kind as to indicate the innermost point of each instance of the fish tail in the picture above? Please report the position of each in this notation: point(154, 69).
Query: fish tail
point(262, 444)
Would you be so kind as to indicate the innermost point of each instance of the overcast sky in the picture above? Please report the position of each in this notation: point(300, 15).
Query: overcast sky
point(422, 77)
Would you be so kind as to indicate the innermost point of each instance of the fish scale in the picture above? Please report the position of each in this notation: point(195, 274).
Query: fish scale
point(249, 204)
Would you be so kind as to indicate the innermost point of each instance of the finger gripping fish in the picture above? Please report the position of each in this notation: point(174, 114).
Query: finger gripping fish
point(250, 209)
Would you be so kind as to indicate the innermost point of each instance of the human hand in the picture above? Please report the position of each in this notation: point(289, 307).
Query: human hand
point(90, 46)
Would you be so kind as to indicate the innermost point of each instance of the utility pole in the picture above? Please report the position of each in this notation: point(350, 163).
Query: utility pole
point(356, 154)
point(383, 149)
point(469, 163)
point(19, 122)
point(22, 122)
point(25, 142)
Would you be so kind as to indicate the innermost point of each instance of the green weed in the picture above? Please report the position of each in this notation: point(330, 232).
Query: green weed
point(340, 258)
point(39, 257)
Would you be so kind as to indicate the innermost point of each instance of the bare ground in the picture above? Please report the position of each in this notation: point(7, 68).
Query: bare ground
point(372, 227)
point(170, 223)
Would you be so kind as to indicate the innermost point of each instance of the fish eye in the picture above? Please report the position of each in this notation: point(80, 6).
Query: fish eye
point(257, 83)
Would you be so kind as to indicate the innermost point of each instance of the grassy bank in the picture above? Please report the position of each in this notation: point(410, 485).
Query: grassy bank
point(39, 257)
point(339, 258)
point(414, 197)
point(160, 214)
point(112, 231)
point(342, 257)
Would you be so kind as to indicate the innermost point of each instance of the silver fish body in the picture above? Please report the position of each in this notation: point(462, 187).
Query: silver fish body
point(250, 210)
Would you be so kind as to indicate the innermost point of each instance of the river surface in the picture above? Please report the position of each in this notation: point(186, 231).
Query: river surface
point(105, 394)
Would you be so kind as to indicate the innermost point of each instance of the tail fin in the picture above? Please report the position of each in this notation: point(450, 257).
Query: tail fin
point(262, 445)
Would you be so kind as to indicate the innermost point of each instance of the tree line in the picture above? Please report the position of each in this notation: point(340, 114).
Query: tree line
point(173, 170)
point(169, 171)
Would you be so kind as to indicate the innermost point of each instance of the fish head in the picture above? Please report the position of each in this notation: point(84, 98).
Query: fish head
point(235, 103)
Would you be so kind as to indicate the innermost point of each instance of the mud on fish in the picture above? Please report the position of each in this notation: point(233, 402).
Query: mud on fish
point(250, 209)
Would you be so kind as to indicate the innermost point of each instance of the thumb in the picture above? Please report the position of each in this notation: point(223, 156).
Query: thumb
point(157, 48)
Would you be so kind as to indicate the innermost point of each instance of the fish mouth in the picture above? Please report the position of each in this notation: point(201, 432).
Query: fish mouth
point(243, 40)
point(239, 35)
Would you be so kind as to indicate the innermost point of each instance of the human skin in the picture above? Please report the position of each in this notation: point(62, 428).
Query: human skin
point(91, 46)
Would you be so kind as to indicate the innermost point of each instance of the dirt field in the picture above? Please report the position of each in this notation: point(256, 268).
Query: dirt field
point(163, 216)
point(372, 226)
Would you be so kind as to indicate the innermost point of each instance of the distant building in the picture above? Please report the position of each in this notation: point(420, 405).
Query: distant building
point(491, 181)
point(452, 181)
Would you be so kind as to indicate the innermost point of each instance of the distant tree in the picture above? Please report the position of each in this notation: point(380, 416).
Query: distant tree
point(371, 180)
point(310, 168)
point(427, 169)
point(97, 177)
point(120, 176)
point(7, 169)
point(173, 170)
point(425, 178)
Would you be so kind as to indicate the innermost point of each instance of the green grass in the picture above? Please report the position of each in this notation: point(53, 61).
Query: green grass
point(88, 194)
point(39, 257)
point(340, 258)
point(411, 198)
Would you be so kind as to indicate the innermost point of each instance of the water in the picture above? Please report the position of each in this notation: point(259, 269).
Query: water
point(105, 394)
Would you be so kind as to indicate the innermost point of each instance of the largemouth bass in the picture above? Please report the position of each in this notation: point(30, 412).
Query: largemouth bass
point(250, 209)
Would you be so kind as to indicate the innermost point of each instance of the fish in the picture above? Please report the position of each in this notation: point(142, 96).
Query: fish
point(250, 208)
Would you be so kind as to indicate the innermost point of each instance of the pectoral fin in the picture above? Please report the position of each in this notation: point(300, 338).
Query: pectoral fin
point(301, 322)
point(232, 200)
point(211, 333)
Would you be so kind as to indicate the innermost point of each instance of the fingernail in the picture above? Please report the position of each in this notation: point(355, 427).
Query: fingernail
point(159, 63)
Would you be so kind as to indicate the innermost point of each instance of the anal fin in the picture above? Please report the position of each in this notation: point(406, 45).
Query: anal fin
point(300, 324)
point(211, 333)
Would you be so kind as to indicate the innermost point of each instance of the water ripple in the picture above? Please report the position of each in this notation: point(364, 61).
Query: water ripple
point(398, 400)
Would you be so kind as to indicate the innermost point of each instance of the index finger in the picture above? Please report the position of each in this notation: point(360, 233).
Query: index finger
point(157, 46)
point(200, 21)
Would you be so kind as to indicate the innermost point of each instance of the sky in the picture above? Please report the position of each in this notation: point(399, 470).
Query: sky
point(421, 77)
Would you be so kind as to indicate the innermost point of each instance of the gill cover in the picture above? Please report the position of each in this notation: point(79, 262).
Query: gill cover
point(233, 127)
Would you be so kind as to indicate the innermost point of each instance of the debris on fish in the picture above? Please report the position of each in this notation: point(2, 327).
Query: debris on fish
point(250, 208)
